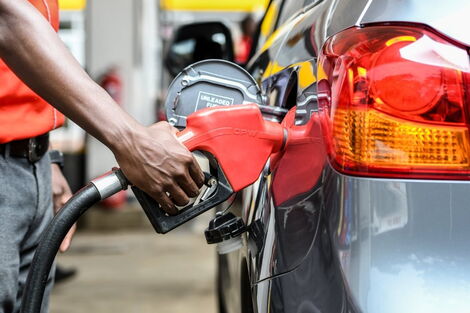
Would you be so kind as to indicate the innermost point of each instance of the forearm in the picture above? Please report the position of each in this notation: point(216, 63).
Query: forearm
point(30, 47)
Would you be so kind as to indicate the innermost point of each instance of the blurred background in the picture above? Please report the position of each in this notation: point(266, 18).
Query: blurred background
point(134, 48)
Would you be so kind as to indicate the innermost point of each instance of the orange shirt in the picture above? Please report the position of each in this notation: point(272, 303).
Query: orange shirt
point(23, 114)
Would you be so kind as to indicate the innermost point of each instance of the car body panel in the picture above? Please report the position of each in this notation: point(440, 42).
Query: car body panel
point(402, 245)
point(382, 246)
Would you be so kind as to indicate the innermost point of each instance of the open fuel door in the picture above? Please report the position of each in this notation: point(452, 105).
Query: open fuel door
point(212, 83)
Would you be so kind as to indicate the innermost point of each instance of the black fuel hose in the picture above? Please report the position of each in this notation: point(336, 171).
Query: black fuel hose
point(57, 230)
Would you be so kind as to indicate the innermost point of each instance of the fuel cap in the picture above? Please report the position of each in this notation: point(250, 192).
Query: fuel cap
point(209, 83)
point(225, 230)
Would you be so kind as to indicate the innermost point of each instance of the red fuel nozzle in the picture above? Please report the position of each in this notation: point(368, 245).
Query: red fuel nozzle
point(238, 137)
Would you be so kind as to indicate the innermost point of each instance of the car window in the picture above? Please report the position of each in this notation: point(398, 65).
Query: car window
point(291, 7)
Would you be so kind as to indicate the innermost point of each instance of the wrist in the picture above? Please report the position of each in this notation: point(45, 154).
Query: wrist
point(124, 136)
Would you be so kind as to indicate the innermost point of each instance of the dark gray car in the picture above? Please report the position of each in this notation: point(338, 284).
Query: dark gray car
point(371, 214)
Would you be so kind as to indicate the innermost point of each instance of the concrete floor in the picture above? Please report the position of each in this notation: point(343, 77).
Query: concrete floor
point(138, 271)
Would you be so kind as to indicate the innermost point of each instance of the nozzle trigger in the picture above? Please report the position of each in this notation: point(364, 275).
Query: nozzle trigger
point(217, 191)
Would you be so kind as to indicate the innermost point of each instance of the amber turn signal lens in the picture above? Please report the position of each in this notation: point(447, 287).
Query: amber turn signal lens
point(368, 138)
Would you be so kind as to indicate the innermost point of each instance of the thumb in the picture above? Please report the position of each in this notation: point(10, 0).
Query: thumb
point(64, 246)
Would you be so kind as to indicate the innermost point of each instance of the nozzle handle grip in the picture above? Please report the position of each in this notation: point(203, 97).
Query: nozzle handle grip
point(163, 223)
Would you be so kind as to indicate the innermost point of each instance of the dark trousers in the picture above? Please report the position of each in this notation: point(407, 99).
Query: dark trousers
point(25, 211)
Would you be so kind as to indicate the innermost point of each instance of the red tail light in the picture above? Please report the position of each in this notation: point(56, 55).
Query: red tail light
point(396, 98)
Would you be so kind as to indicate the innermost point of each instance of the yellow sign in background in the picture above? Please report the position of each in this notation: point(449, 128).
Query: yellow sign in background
point(187, 5)
point(72, 4)
point(211, 5)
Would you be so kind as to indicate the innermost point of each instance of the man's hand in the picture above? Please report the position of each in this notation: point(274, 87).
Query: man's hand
point(60, 194)
point(155, 161)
